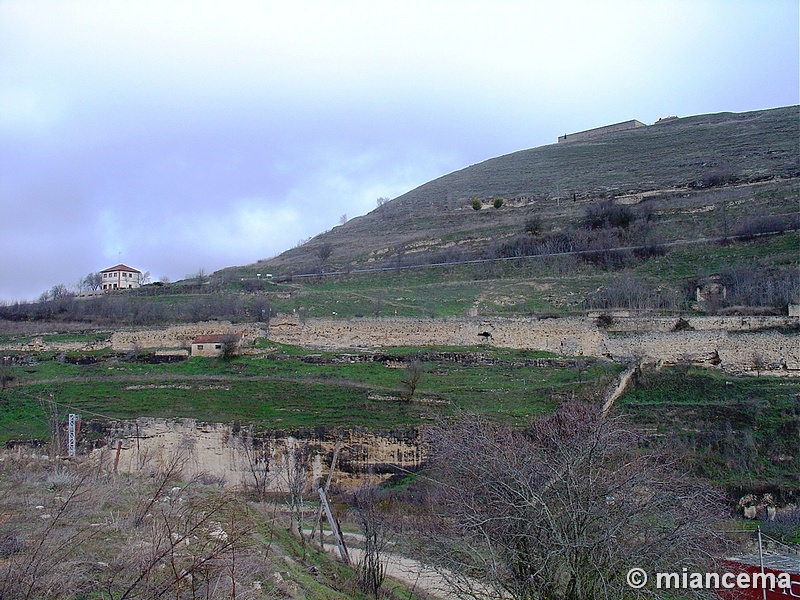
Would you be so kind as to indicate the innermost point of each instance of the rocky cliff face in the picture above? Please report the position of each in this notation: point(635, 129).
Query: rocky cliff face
point(241, 458)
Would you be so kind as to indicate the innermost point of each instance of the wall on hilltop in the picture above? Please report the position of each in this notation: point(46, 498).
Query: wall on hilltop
point(598, 131)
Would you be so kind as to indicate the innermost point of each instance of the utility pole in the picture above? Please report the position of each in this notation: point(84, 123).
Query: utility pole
point(73, 426)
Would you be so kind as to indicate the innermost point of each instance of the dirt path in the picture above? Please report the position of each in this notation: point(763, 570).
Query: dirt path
point(425, 582)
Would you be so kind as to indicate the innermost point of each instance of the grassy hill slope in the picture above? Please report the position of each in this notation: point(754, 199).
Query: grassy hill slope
point(672, 171)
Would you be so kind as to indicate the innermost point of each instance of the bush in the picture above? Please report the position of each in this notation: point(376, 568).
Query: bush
point(719, 175)
point(604, 321)
point(767, 224)
point(630, 292)
point(476, 203)
point(498, 202)
point(607, 215)
point(533, 226)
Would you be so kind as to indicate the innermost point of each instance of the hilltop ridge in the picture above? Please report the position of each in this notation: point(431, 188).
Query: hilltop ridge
point(660, 169)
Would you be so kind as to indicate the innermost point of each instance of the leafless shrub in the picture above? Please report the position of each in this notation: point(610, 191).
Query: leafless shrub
point(190, 551)
point(561, 510)
point(722, 174)
point(608, 215)
point(753, 285)
point(168, 472)
point(75, 539)
point(604, 320)
point(371, 509)
point(633, 293)
point(768, 224)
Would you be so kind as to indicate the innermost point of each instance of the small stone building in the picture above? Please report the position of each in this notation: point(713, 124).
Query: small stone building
point(212, 344)
point(711, 289)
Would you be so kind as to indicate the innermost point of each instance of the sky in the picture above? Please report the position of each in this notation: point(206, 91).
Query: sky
point(175, 135)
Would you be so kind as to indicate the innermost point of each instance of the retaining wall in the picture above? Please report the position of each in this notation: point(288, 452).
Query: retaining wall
point(730, 342)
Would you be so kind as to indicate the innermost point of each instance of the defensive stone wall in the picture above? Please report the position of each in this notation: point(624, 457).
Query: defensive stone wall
point(181, 336)
point(732, 343)
point(598, 131)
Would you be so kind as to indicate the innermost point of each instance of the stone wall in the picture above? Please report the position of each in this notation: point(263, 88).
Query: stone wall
point(730, 342)
point(180, 336)
point(598, 131)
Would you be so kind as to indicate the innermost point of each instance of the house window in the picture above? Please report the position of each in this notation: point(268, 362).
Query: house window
point(199, 346)
point(217, 346)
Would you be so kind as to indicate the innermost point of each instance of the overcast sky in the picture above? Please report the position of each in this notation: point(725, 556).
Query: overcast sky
point(173, 136)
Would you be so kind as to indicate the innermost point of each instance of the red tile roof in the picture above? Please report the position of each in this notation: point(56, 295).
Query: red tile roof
point(121, 267)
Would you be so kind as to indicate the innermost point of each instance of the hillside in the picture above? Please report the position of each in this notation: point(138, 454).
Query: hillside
point(701, 176)
point(593, 263)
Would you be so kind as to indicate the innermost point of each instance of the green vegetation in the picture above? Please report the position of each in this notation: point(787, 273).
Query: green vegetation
point(738, 431)
point(285, 388)
point(734, 430)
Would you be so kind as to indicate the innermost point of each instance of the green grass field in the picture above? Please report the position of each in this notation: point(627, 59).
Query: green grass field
point(733, 430)
point(287, 389)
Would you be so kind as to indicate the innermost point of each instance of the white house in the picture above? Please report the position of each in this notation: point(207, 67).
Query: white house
point(120, 277)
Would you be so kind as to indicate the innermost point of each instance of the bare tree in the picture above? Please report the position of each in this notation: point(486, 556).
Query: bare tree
point(295, 476)
point(230, 347)
point(6, 372)
point(371, 511)
point(256, 454)
point(92, 281)
point(199, 278)
point(758, 362)
point(411, 379)
point(262, 309)
point(561, 510)
point(323, 253)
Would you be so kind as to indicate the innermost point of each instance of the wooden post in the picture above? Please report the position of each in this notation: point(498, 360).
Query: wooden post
point(116, 460)
point(337, 534)
point(327, 486)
